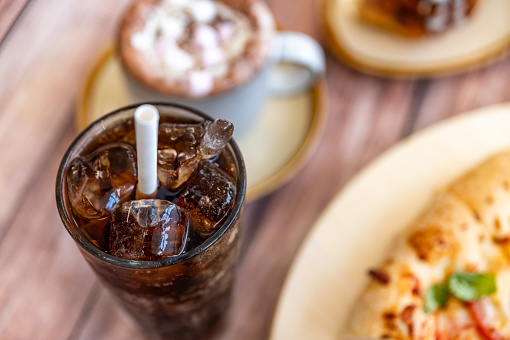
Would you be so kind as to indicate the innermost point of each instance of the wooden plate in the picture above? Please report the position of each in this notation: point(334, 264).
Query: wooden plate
point(481, 39)
point(357, 228)
point(278, 145)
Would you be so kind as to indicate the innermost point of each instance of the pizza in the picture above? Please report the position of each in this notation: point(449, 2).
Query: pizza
point(448, 275)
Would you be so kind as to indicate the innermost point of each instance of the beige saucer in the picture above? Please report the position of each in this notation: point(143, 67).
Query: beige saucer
point(481, 39)
point(283, 137)
point(330, 268)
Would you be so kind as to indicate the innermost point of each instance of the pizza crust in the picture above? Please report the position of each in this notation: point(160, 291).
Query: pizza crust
point(457, 232)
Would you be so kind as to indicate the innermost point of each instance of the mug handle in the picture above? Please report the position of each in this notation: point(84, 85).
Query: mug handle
point(303, 61)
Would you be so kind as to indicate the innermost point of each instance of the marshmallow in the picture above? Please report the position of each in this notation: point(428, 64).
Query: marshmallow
point(225, 31)
point(173, 27)
point(212, 56)
point(176, 3)
point(141, 41)
point(205, 36)
point(201, 83)
point(202, 11)
point(178, 59)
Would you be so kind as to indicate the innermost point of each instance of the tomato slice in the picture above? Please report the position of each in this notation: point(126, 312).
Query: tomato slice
point(477, 313)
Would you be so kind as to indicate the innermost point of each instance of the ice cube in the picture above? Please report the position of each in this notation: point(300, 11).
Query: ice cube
point(216, 137)
point(208, 197)
point(182, 146)
point(123, 132)
point(98, 182)
point(148, 230)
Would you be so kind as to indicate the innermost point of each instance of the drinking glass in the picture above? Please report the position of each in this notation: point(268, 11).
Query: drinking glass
point(178, 297)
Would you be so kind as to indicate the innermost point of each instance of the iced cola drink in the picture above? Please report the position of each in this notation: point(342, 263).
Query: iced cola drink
point(169, 260)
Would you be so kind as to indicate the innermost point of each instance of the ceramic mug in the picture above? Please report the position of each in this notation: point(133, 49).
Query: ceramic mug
point(304, 61)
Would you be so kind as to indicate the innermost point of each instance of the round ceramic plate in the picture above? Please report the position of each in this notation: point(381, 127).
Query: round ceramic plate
point(279, 143)
point(480, 39)
point(356, 230)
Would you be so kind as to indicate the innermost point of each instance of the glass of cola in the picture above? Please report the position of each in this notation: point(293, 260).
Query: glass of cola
point(170, 260)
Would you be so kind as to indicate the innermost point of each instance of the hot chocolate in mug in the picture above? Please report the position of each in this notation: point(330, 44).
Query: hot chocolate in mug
point(273, 63)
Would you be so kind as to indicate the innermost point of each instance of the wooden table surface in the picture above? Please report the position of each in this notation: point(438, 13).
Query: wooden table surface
point(47, 291)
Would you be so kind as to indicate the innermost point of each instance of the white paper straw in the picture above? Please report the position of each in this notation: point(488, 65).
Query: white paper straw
point(146, 131)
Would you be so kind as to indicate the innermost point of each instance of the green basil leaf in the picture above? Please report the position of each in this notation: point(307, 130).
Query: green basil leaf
point(471, 286)
point(436, 297)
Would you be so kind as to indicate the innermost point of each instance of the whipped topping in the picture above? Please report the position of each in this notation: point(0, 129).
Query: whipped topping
point(447, 13)
point(193, 41)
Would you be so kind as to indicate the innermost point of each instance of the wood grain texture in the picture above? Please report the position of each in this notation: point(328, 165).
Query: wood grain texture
point(44, 279)
point(10, 11)
point(42, 65)
point(46, 289)
point(456, 94)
